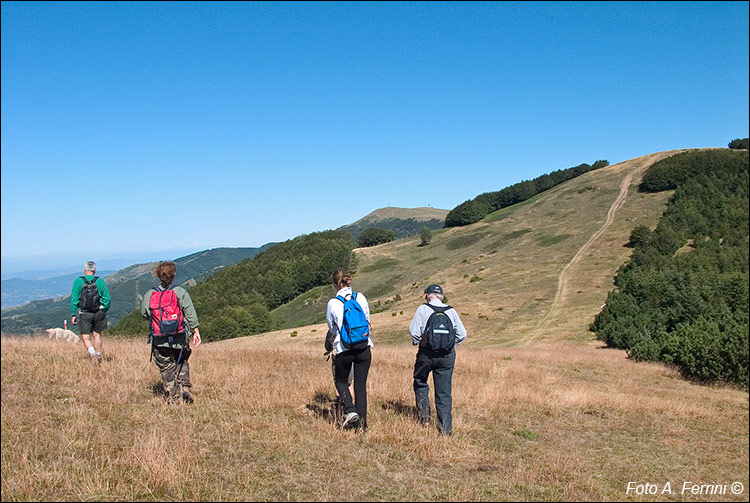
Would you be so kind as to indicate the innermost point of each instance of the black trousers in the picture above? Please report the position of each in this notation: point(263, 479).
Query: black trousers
point(361, 360)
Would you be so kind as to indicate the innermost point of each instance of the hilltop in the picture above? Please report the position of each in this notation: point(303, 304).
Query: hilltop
point(403, 222)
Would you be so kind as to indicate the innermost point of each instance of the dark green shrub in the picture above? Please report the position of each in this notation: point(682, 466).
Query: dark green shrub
point(374, 236)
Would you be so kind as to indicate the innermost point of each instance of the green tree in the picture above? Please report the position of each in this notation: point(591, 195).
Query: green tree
point(737, 143)
point(426, 236)
point(639, 236)
point(375, 236)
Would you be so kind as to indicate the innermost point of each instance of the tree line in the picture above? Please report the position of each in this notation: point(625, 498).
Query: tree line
point(237, 301)
point(683, 296)
point(476, 209)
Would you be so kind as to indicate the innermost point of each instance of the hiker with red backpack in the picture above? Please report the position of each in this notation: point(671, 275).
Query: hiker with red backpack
point(348, 318)
point(89, 302)
point(436, 328)
point(172, 318)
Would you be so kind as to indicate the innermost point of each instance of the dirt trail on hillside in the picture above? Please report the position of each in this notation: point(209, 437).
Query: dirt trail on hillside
point(635, 166)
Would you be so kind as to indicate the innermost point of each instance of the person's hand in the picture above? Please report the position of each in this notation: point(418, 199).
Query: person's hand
point(196, 338)
point(73, 320)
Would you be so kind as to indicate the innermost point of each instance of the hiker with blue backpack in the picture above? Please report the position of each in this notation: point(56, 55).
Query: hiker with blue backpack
point(172, 318)
point(89, 302)
point(348, 318)
point(436, 328)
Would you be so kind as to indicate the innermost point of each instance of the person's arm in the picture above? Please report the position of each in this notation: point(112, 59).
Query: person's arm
point(191, 316)
point(331, 321)
point(362, 301)
point(104, 298)
point(459, 327)
point(75, 299)
point(145, 311)
point(417, 326)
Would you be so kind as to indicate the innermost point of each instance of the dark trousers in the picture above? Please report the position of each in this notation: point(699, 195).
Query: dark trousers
point(165, 359)
point(361, 360)
point(441, 366)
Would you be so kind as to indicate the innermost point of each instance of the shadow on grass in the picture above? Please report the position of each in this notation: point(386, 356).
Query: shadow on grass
point(410, 411)
point(157, 388)
point(325, 407)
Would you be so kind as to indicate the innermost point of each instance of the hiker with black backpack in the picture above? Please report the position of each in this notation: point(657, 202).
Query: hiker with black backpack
point(348, 318)
point(172, 318)
point(436, 328)
point(89, 302)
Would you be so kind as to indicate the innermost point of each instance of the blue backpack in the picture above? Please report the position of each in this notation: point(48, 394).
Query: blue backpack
point(355, 333)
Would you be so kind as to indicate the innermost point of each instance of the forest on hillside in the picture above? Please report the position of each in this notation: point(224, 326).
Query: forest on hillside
point(683, 297)
point(474, 210)
point(237, 301)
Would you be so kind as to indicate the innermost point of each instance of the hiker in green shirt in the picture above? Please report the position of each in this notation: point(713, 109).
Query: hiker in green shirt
point(89, 302)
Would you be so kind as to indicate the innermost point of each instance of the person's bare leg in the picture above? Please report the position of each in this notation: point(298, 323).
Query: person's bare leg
point(85, 338)
point(97, 342)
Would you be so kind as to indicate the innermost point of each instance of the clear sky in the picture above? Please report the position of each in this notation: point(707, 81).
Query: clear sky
point(174, 127)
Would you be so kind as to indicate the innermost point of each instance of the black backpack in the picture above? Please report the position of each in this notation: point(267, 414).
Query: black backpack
point(439, 334)
point(89, 302)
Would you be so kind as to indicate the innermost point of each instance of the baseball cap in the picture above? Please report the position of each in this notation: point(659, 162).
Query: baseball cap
point(434, 289)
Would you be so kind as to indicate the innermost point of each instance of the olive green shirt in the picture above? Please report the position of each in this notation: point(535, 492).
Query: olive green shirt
point(186, 304)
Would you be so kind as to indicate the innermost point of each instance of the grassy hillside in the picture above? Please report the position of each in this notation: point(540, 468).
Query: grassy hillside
point(504, 274)
point(542, 411)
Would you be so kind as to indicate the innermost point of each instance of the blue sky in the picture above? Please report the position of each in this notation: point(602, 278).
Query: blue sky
point(173, 127)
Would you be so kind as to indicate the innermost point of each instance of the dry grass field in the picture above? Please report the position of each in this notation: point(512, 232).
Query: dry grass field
point(541, 410)
point(563, 421)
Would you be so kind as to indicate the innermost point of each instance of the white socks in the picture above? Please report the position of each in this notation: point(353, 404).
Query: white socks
point(91, 350)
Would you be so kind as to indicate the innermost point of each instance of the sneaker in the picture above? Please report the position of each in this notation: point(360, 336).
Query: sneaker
point(187, 397)
point(98, 358)
point(351, 420)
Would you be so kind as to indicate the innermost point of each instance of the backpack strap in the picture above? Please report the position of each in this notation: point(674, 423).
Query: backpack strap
point(439, 309)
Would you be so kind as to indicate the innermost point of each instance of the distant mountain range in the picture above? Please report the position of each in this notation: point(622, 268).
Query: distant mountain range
point(125, 288)
point(48, 301)
point(18, 291)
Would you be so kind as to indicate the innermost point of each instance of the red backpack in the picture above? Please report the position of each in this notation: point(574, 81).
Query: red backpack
point(166, 314)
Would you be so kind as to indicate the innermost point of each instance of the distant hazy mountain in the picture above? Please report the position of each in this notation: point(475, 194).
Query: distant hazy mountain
point(18, 291)
point(403, 222)
point(125, 287)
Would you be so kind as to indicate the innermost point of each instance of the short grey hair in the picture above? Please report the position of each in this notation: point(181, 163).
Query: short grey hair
point(89, 266)
point(438, 296)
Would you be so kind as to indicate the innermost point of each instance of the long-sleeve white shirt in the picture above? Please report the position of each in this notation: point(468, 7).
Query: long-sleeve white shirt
point(335, 316)
point(418, 323)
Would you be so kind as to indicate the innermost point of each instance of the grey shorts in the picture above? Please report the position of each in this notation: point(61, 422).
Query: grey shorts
point(92, 321)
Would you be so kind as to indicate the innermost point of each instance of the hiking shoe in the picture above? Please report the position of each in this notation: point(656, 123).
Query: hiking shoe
point(173, 393)
point(351, 420)
point(187, 397)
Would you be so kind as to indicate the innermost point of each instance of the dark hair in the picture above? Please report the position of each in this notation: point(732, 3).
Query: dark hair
point(166, 271)
point(342, 278)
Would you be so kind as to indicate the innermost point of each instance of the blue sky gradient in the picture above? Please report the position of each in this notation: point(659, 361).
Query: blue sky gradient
point(174, 127)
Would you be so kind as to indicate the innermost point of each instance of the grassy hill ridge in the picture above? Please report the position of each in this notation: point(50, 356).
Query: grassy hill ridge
point(504, 271)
